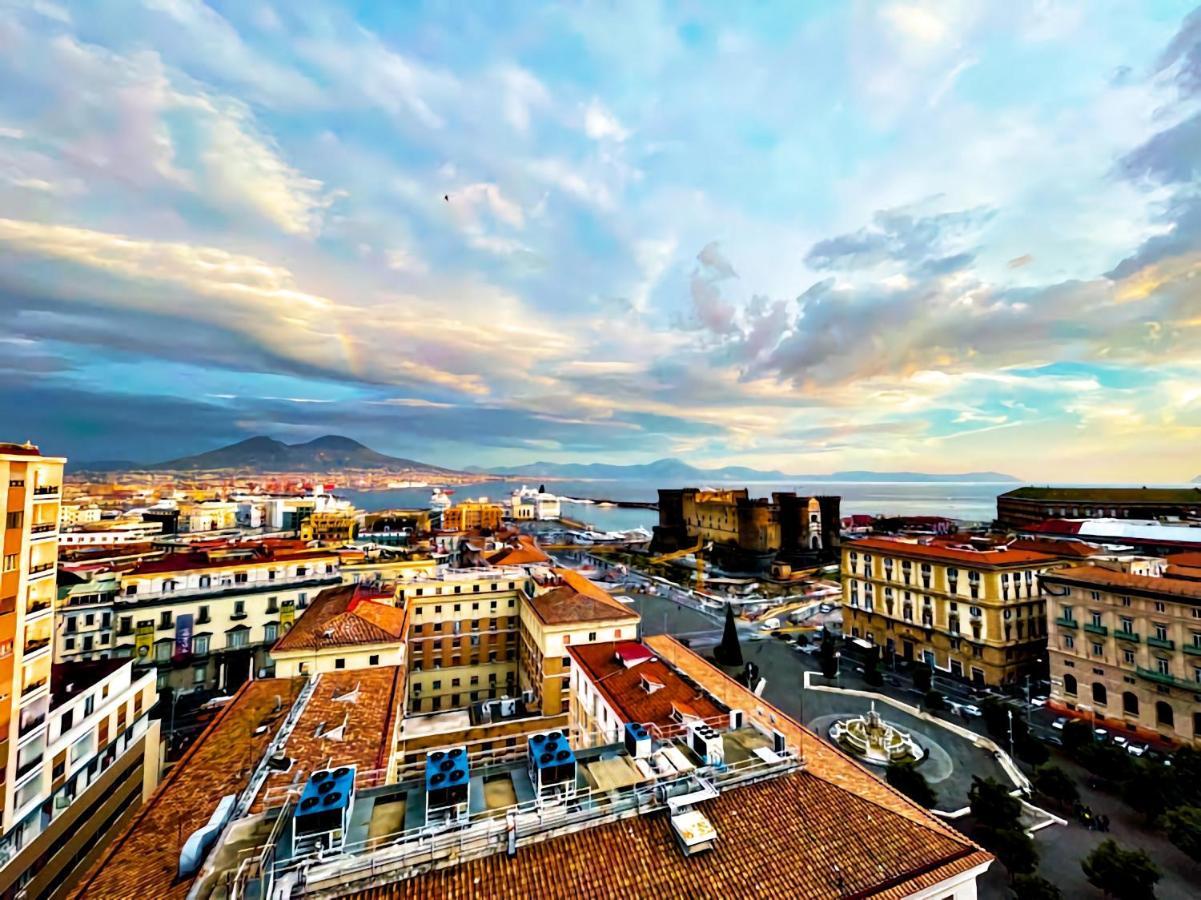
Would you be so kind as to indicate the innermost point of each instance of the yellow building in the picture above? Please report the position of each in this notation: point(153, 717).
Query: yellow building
point(976, 613)
point(329, 527)
point(566, 610)
point(346, 627)
point(77, 748)
point(473, 514)
point(1125, 649)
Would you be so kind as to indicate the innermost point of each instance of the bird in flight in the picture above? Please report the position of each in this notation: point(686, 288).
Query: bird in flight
point(446, 197)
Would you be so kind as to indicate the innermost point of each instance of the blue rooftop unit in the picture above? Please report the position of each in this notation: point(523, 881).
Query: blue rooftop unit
point(447, 781)
point(637, 740)
point(325, 805)
point(552, 761)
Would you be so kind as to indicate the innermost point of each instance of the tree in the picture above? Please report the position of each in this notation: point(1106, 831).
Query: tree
point(1030, 749)
point(909, 781)
point(1124, 874)
point(829, 659)
point(992, 807)
point(996, 719)
point(935, 701)
point(1076, 734)
point(1149, 788)
point(922, 677)
point(1183, 825)
point(1056, 785)
point(1186, 769)
point(1034, 887)
point(871, 669)
point(1013, 847)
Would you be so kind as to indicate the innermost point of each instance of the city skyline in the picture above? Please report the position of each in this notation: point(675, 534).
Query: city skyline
point(907, 236)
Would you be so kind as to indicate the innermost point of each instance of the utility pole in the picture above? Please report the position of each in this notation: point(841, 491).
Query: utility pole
point(1011, 732)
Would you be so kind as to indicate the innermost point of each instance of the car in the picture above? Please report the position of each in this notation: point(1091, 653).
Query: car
point(1038, 702)
point(1059, 723)
point(1121, 740)
point(1100, 734)
point(1136, 749)
point(826, 607)
point(1054, 739)
point(971, 710)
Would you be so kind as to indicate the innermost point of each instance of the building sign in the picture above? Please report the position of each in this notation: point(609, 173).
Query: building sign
point(287, 614)
point(183, 636)
point(143, 641)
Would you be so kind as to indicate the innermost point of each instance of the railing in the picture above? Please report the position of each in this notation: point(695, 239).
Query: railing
point(1168, 679)
point(35, 644)
point(32, 687)
point(1096, 629)
point(36, 606)
point(1126, 636)
point(1191, 649)
point(1067, 623)
point(46, 490)
point(29, 725)
point(46, 528)
point(1162, 643)
point(25, 768)
point(42, 567)
point(228, 586)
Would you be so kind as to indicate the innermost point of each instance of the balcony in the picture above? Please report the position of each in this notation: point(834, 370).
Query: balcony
point(1161, 643)
point(30, 726)
point(29, 766)
point(46, 492)
point(228, 586)
point(41, 532)
point(34, 645)
point(1191, 649)
point(1168, 679)
point(36, 607)
point(33, 687)
point(1132, 637)
point(1096, 629)
point(1067, 623)
point(40, 570)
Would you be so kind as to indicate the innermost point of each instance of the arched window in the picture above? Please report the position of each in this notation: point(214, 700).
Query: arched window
point(1069, 684)
point(1129, 704)
point(1164, 714)
point(205, 581)
point(1098, 693)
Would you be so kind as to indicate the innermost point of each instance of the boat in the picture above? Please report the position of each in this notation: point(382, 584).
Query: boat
point(440, 499)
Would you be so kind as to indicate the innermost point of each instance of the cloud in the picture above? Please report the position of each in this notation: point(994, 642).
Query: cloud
point(897, 235)
point(601, 125)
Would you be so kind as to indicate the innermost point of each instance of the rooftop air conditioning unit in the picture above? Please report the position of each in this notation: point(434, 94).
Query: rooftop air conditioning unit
point(552, 762)
point(707, 743)
point(637, 740)
point(447, 783)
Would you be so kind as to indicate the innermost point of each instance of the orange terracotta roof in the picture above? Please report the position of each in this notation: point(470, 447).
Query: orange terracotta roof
point(796, 836)
point(625, 688)
point(1193, 560)
point(937, 551)
point(345, 616)
point(1187, 573)
point(370, 721)
point(578, 600)
point(143, 860)
point(1077, 549)
point(525, 553)
point(1098, 576)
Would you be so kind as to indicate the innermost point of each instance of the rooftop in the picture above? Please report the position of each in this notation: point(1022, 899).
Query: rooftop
point(1077, 549)
point(229, 556)
point(144, 859)
point(523, 552)
point(1106, 495)
point(937, 550)
point(345, 616)
point(626, 687)
point(577, 599)
point(1097, 576)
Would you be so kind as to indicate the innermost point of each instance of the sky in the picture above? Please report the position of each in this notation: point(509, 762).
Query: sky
point(804, 236)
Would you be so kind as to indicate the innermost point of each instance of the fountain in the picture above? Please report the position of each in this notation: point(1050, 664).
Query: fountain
point(875, 740)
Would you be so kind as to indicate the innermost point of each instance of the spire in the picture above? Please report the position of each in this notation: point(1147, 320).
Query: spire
point(729, 652)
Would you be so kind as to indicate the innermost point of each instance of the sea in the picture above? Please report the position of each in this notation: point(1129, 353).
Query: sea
point(968, 501)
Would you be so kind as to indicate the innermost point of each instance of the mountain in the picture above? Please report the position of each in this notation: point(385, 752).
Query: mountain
point(677, 470)
point(265, 454)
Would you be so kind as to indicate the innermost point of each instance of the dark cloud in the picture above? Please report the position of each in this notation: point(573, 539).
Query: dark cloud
point(1184, 53)
point(714, 312)
point(1172, 156)
point(896, 235)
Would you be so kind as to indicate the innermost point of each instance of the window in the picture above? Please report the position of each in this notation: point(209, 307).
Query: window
point(1161, 632)
point(1163, 667)
point(199, 673)
point(239, 609)
point(340, 663)
point(239, 577)
point(1159, 607)
point(373, 659)
point(162, 651)
point(238, 638)
point(591, 637)
point(1128, 657)
point(1069, 684)
point(164, 619)
point(67, 720)
point(1164, 714)
point(1125, 601)
point(1130, 704)
point(69, 643)
point(1098, 649)
point(1096, 617)
point(10, 561)
point(271, 632)
point(204, 615)
point(1098, 693)
point(14, 519)
point(200, 644)
point(1127, 624)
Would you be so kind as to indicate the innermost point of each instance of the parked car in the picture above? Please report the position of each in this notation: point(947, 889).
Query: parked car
point(1121, 740)
point(1136, 749)
point(1101, 735)
point(971, 710)
point(826, 607)
point(1038, 702)
point(1059, 723)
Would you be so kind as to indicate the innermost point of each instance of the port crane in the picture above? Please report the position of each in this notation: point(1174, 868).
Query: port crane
point(698, 550)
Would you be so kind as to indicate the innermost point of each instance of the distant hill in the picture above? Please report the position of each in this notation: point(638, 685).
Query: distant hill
point(269, 455)
point(676, 470)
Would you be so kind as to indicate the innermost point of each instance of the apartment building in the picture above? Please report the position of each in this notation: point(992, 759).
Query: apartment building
point(330, 527)
point(346, 627)
point(565, 610)
point(1026, 506)
point(463, 634)
point(71, 514)
point(470, 515)
point(1125, 649)
point(207, 618)
point(78, 751)
point(84, 616)
point(973, 610)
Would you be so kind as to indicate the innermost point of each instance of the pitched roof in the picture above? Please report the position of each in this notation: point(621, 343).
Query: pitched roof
point(1098, 576)
point(204, 559)
point(143, 860)
point(367, 701)
point(578, 600)
point(940, 551)
point(794, 836)
point(1185, 573)
point(625, 689)
point(345, 616)
point(524, 553)
point(1193, 559)
point(1074, 549)
point(1106, 495)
